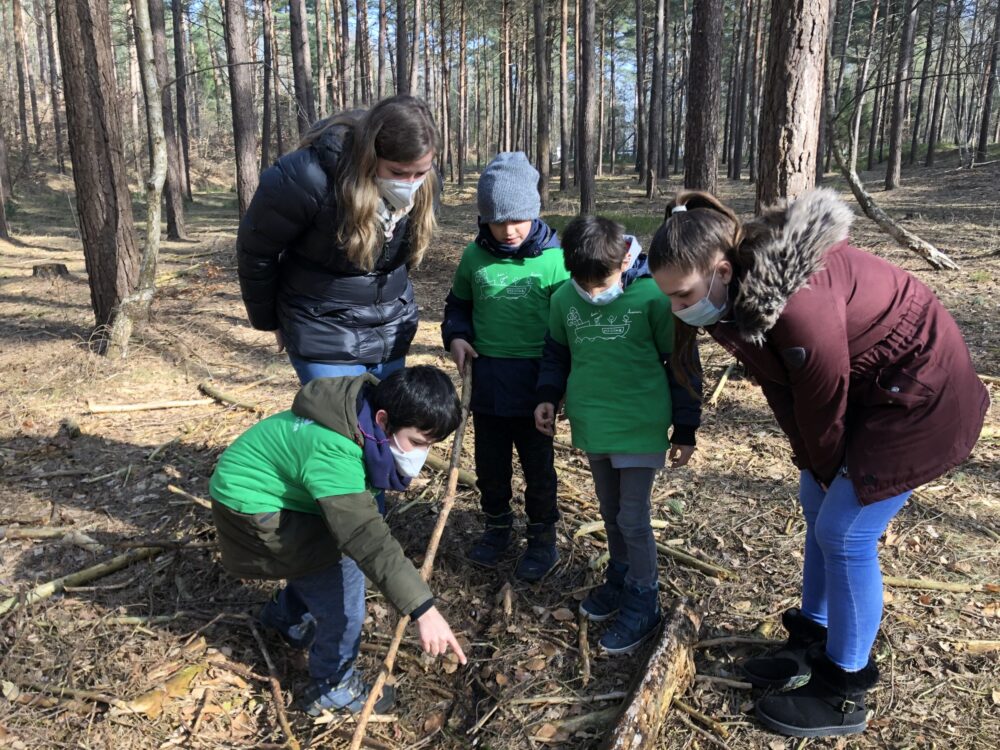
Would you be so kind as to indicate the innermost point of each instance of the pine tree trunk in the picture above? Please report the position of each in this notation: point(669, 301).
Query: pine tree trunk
point(613, 84)
point(663, 162)
point(445, 80)
point(265, 135)
point(402, 53)
point(792, 93)
point(174, 192)
point(701, 131)
point(5, 233)
point(415, 49)
point(343, 52)
point(600, 98)
point(588, 105)
point(730, 79)
point(180, 72)
point(859, 92)
point(54, 77)
point(901, 93)
point(321, 68)
point(917, 118)
point(542, 96)
point(564, 109)
point(241, 97)
point(838, 86)
point(463, 95)
point(736, 163)
point(655, 108)
point(505, 72)
point(104, 206)
point(305, 108)
point(640, 89)
point(939, 90)
point(821, 141)
point(382, 87)
point(21, 65)
point(428, 75)
point(991, 79)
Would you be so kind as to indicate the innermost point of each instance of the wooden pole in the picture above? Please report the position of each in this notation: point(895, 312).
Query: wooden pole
point(425, 570)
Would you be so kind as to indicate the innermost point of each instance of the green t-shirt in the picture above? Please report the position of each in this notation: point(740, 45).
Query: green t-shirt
point(287, 462)
point(617, 397)
point(510, 299)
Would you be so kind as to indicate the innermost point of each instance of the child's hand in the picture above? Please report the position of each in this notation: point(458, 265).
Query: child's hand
point(545, 419)
point(461, 351)
point(680, 455)
point(436, 636)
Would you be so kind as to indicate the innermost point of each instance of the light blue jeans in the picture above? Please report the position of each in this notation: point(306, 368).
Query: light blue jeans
point(307, 369)
point(841, 577)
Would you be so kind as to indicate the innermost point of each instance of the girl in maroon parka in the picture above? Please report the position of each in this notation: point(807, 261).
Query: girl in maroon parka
point(869, 378)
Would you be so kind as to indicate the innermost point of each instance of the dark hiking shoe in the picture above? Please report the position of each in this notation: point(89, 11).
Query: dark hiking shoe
point(602, 601)
point(541, 555)
point(638, 618)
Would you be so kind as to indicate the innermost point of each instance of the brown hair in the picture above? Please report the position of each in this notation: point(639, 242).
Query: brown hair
point(691, 240)
point(593, 248)
point(401, 129)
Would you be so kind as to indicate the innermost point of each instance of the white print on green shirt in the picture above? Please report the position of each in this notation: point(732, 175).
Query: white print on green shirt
point(598, 328)
point(497, 285)
point(301, 422)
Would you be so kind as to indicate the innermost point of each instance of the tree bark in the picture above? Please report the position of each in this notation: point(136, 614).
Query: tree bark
point(54, 77)
point(901, 93)
point(792, 98)
point(939, 89)
point(542, 96)
point(415, 49)
point(640, 89)
point(991, 80)
point(21, 65)
point(104, 206)
point(382, 85)
point(402, 53)
point(363, 53)
point(463, 95)
point(736, 163)
point(180, 73)
point(265, 128)
point(305, 108)
point(564, 109)
point(5, 233)
point(701, 131)
point(655, 107)
point(928, 47)
point(588, 106)
point(241, 98)
point(600, 97)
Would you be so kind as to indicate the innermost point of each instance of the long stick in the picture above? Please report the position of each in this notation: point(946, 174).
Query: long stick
point(45, 590)
point(426, 569)
point(722, 384)
point(146, 406)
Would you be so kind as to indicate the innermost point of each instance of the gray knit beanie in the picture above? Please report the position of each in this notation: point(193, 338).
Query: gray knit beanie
point(508, 189)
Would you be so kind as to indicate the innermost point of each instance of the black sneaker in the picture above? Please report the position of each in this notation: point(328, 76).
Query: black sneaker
point(638, 618)
point(787, 668)
point(602, 601)
point(541, 555)
point(832, 704)
point(350, 695)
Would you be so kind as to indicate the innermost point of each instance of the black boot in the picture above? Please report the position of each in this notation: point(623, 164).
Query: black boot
point(787, 668)
point(602, 602)
point(494, 541)
point(638, 619)
point(541, 555)
point(830, 705)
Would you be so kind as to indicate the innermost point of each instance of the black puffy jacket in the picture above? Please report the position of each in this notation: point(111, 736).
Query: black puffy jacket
point(295, 276)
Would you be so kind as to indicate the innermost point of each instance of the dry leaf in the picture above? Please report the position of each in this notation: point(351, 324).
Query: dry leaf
point(996, 696)
point(450, 663)
point(150, 703)
point(501, 679)
point(178, 684)
point(536, 664)
point(563, 614)
point(433, 722)
point(546, 731)
point(549, 649)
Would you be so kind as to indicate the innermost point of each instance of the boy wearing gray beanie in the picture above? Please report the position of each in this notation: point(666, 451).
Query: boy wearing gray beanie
point(495, 320)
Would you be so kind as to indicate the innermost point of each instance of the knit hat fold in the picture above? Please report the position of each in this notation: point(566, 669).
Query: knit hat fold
point(508, 189)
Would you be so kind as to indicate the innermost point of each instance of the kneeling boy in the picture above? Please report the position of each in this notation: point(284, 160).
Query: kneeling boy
point(292, 499)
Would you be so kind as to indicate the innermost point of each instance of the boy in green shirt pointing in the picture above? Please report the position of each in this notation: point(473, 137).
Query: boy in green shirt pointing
point(609, 341)
point(292, 498)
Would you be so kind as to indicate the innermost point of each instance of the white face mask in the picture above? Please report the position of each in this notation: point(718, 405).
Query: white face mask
point(609, 295)
point(399, 194)
point(704, 312)
point(409, 463)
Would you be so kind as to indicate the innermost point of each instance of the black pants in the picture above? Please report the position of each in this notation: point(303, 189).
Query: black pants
point(495, 439)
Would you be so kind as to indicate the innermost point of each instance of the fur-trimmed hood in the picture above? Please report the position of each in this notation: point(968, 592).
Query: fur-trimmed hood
point(787, 245)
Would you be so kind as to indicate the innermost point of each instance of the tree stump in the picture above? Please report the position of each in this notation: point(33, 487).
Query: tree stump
point(668, 672)
point(49, 270)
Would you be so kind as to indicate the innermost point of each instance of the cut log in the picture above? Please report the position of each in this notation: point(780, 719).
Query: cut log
point(668, 673)
point(465, 476)
point(49, 270)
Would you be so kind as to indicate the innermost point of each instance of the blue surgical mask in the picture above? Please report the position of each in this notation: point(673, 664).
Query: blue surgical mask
point(601, 298)
point(399, 194)
point(704, 312)
point(409, 463)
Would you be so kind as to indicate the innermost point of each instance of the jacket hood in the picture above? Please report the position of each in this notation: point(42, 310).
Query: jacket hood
point(333, 403)
point(787, 245)
point(331, 145)
point(640, 262)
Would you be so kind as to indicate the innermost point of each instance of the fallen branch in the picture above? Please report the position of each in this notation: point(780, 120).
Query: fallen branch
point(428, 565)
point(568, 700)
point(735, 640)
point(45, 590)
point(93, 408)
point(276, 694)
point(193, 498)
point(210, 390)
point(931, 585)
point(722, 384)
point(584, 649)
point(693, 562)
point(668, 673)
point(975, 647)
point(702, 733)
point(36, 532)
point(93, 696)
point(711, 679)
point(465, 477)
point(708, 721)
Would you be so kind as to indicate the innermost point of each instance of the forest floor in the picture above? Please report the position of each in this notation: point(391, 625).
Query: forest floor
point(192, 676)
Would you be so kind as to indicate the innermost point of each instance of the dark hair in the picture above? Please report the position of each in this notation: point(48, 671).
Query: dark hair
point(422, 397)
point(593, 248)
point(690, 240)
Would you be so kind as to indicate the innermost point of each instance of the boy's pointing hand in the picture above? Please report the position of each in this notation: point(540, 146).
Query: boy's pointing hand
point(436, 636)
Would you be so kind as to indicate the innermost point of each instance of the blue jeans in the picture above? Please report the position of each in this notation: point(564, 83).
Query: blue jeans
point(335, 597)
point(307, 369)
point(841, 577)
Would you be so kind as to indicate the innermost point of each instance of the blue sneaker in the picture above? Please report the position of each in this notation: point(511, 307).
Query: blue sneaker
point(494, 542)
point(348, 695)
point(602, 601)
point(638, 618)
point(296, 634)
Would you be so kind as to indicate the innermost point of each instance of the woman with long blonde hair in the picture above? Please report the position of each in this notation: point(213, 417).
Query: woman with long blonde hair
point(325, 248)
